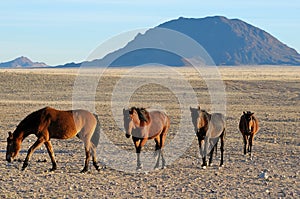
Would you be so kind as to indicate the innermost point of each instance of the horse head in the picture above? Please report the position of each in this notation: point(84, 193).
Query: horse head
point(249, 121)
point(195, 116)
point(131, 120)
point(13, 147)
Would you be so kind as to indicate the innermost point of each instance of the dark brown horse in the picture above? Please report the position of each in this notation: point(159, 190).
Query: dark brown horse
point(143, 126)
point(50, 123)
point(209, 128)
point(248, 126)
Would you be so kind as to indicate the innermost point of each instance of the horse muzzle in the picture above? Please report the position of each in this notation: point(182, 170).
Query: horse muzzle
point(127, 135)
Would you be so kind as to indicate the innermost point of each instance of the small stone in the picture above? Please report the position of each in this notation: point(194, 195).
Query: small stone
point(263, 175)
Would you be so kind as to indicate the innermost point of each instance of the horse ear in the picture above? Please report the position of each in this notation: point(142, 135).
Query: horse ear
point(199, 108)
point(252, 114)
point(10, 135)
point(244, 112)
point(134, 111)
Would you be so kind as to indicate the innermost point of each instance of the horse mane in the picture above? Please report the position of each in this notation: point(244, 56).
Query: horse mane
point(204, 118)
point(30, 123)
point(143, 114)
point(206, 115)
point(30, 119)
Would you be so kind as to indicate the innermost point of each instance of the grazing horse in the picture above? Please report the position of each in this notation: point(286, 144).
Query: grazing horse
point(248, 126)
point(50, 123)
point(209, 128)
point(143, 126)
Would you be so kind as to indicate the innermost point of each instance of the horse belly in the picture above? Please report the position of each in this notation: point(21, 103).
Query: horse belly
point(62, 131)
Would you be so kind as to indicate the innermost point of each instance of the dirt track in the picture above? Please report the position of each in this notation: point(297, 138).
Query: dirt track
point(273, 93)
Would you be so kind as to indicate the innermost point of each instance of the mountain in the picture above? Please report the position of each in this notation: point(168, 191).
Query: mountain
point(227, 41)
point(22, 62)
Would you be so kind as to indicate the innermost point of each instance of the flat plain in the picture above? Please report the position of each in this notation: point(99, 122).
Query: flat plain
point(272, 92)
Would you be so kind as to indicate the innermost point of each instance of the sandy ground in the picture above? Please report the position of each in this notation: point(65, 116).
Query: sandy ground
point(273, 93)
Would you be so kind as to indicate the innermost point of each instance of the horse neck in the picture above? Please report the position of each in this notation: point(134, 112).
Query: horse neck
point(30, 124)
point(141, 123)
point(204, 118)
point(20, 134)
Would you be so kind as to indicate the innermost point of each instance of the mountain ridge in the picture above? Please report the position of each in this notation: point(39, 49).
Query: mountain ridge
point(227, 41)
point(22, 62)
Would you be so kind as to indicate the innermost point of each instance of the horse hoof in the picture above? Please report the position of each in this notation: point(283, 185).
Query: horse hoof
point(204, 167)
point(139, 167)
point(52, 169)
point(83, 171)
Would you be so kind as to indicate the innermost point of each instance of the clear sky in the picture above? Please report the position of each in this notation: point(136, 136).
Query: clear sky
point(61, 31)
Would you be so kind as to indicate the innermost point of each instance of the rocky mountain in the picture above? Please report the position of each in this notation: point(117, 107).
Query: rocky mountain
point(227, 41)
point(22, 62)
point(224, 41)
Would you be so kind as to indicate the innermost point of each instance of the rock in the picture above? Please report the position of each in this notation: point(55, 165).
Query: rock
point(264, 175)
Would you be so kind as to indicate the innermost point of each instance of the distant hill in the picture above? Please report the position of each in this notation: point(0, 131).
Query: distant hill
point(22, 62)
point(227, 41)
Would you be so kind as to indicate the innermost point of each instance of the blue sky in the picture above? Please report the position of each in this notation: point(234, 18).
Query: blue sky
point(57, 32)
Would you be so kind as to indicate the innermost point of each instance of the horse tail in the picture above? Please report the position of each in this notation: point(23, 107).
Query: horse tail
point(96, 135)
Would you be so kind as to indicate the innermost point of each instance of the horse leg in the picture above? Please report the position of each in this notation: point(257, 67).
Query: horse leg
point(202, 152)
point(87, 159)
point(95, 163)
point(157, 145)
point(51, 154)
point(163, 138)
point(87, 147)
point(138, 158)
point(37, 144)
point(245, 143)
point(204, 164)
point(211, 156)
point(222, 148)
point(250, 145)
point(157, 150)
point(136, 142)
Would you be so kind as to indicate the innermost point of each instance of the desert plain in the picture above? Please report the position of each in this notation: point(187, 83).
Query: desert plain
point(272, 92)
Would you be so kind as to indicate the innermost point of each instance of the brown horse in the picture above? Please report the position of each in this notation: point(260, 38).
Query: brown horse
point(50, 123)
point(209, 128)
point(248, 126)
point(143, 126)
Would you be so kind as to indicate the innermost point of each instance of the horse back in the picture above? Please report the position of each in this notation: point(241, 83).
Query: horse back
point(66, 124)
point(159, 122)
point(216, 125)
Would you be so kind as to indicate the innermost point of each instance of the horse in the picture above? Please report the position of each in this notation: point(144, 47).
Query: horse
point(145, 125)
point(48, 123)
point(209, 128)
point(248, 127)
